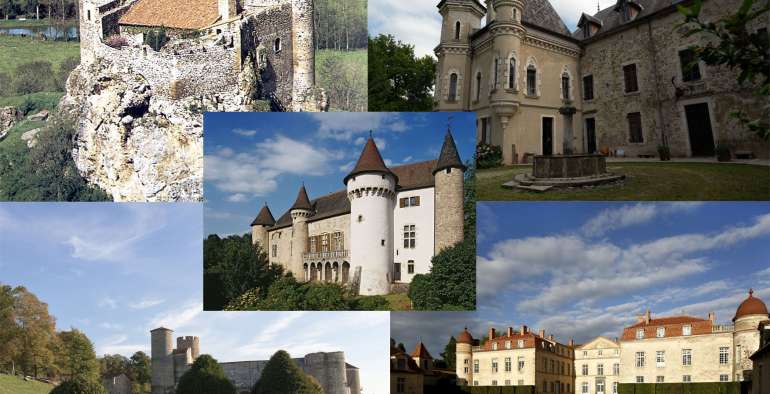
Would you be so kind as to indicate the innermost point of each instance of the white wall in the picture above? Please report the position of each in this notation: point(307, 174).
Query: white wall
point(422, 217)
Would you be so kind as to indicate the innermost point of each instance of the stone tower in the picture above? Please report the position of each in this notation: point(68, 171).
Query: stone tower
point(303, 49)
point(508, 32)
point(161, 353)
point(459, 17)
point(749, 314)
point(463, 346)
point(329, 369)
point(90, 30)
point(371, 188)
point(188, 342)
point(449, 196)
point(259, 228)
point(422, 357)
point(300, 212)
point(228, 9)
point(354, 380)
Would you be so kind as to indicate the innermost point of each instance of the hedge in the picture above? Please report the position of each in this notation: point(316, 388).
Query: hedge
point(680, 388)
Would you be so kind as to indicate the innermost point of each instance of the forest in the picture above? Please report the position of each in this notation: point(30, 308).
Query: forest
point(340, 24)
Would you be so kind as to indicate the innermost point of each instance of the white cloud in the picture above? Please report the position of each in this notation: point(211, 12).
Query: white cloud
point(178, 318)
point(629, 215)
point(381, 144)
point(344, 126)
point(237, 197)
point(146, 303)
point(245, 132)
point(110, 326)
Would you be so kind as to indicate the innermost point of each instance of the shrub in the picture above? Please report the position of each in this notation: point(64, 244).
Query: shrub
point(451, 283)
point(324, 297)
point(664, 152)
point(371, 303)
point(79, 386)
point(116, 41)
point(33, 77)
point(282, 376)
point(5, 85)
point(65, 68)
point(488, 156)
point(205, 376)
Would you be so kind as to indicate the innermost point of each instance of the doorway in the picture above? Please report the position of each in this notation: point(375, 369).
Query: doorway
point(590, 135)
point(396, 272)
point(547, 136)
point(699, 129)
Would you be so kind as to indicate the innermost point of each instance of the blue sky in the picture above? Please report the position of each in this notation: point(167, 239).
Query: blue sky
point(116, 271)
point(580, 270)
point(253, 158)
point(419, 23)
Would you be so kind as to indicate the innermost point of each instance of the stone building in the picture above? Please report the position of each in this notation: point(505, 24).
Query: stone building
point(381, 230)
point(597, 366)
point(120, 384)
point(406, 375)
point(169, 364)
point(516, 358)
point(760, 381)
point(228, 50)
point(619, 85)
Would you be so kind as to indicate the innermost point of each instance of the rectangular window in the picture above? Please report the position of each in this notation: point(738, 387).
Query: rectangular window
point(486, 131)
point(325, 242)
point(635, 136)
point(520, 383)
point(600, 369)
point(686, 357)
point(410, 266)
point(687, 330)
point(686, 378)
point(614, 387)
point(723, 378)
point(660, 332)
point(585, 369)
point(584, 388)
point(616, 369)
point(640, 333)
point(507, 344)
point(659, 379)
point(406, 202)
point(520, 343)
point(275, 250)
point(475, 366)
point(723, 355)
point(494, 365)
point(565, 86)
point(599, 386)
point(507, 364)
point(401, 385)
point(521, 363)
point(531, 81)
point(475, 382)
point(690, 66)
point(629, 76)
point(409, 237)
point(660, 358)
point(507, 382)
point(640, 379)
point(639, 359)
point(339, 241)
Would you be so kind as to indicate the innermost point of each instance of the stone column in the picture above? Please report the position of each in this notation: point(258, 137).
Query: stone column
point(567, 146)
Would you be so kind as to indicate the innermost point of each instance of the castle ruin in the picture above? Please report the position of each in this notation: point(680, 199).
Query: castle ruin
point(169, 364)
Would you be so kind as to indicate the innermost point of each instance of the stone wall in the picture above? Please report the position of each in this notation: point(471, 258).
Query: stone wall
point(654, 46)
point(449, 217)
point(276, 67)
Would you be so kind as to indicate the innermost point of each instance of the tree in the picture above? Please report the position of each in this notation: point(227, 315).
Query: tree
point(282, 376)
point(205, 376)
point(9, 333)
point(449, 353)
point(79, 386)
point(139, 368)
point(76, 357)
point(732, 45)
point(398, 81)
point(113, 365)
point(36, 330)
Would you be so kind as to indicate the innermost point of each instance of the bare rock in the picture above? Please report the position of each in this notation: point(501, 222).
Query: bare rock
point(8, 118)
point(41, 116)
point(30, 137)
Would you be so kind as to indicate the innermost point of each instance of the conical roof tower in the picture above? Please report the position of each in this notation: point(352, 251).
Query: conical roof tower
point(370, 161)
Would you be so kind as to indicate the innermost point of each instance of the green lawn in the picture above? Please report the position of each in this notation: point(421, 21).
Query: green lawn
point(21, 50)
point(12, 143)
point(645, 181)
point(13, 385)
point(42, 100)
point(32, 23)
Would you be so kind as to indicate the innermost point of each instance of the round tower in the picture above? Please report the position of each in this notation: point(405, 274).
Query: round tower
point(749, 314)
point(449, 196)
point(329, 369)
point(259, 227)
point(300, 212)
point(90, 30)
point(354, 380)
point(371, 188)
point(303, 52)
point(459, 19)
point(464, 357)
point(162, 347)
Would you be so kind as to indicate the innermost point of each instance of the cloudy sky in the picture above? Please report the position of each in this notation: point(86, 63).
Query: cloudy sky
point(579, 270)
point(419, 23)
point(256, 158)
point(116, 271)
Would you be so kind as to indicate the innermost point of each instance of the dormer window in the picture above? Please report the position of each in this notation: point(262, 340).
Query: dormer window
point(640, 333)
point(660, 332)
point(629, 9)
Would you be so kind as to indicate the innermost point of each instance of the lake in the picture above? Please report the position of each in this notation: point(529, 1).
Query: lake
point(48, 31)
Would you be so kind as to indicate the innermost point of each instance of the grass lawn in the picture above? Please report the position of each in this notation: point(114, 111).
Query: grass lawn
point(399, 302)
point(14, 385)
point(42, 100)
point(21, 50)
point(644, 181)
point(12, 142)
point(11, 23)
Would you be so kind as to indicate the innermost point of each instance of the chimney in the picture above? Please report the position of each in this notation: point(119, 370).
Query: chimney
point(712, 317)
point(571, 342)
point(524, 329)
point(491, 334)
point(542, 333)
point(510, 331)
point(647, 316)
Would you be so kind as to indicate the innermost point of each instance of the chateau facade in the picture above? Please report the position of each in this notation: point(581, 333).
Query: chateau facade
point(169, 364)
point(230, 51)
point(619, 85)
point(381, 230)
point(675, 349)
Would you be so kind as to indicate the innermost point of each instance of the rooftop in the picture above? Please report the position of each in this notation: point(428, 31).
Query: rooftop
point(190, 15)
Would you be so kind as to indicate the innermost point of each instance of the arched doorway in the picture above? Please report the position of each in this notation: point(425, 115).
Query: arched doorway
point(328, 272)
point(345, 272)
point(306, 277)
point(313, 272)
point(336, 269)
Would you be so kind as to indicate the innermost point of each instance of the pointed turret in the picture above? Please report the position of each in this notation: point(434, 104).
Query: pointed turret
point(259, 227)
point(449, 157)
point(300, 212)
point(264, 218)
point(302, 201)
point(370, 161)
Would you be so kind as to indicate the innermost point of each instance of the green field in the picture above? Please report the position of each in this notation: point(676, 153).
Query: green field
point(10, 23)
point(21, 50)
point(342, 74)
point(13, 385)
point(645, 181)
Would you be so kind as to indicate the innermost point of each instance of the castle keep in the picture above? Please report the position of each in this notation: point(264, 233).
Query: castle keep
point(381, 230)
point(169, 364)
point(231, 51)
point(619, 85)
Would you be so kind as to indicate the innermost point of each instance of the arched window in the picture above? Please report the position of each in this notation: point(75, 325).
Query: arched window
point(565, 85)
point(478, 85)
point(531, 80)
point(512, 74)
point(457, 30)
point(277, 45)
point(453, 87)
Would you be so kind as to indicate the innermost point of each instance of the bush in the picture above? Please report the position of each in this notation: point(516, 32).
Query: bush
point(205, 376)
point(79, 386)
point(116, 41)
point(282, 376)
point(34, 77)
point(370, 303)
point(65, 68)
point(451, 283)
point(488, 156)
point(5, 85)
point(664, 152)
point(324, 297)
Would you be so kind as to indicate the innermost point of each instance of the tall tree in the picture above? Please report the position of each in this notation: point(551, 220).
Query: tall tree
point(139, 367)
point(9, 333)
point(112, 365)
point(399, 81)
point(205, 376)
point(36, 332)
point(449, 353)
point(283, 376)
point(243, 266)
point(76, 357)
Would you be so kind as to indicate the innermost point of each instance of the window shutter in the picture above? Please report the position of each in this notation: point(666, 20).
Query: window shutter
point(402, 202)
point(417, 201)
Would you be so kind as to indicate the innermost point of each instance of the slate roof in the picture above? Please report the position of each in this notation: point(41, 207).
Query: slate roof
point(302, 201)
point(410, 176)
point(369, 161)
point(188, 15)
point(449, 158)
point(612, 20)
point(264, 218)
point(420, 351)
point(541, 13)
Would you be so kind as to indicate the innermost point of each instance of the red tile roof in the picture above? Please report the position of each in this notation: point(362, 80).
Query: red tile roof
point(370, 161)
point(420, 351)
point(673, 327)
point(751, 306)
point(188, 15)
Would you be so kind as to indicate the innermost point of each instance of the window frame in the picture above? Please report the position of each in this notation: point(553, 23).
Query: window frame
point(625, 73)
